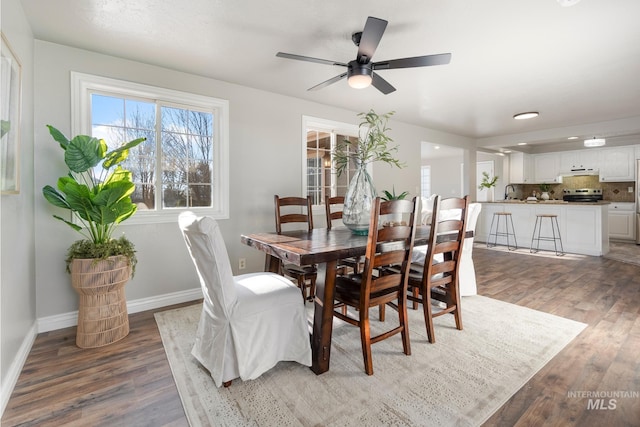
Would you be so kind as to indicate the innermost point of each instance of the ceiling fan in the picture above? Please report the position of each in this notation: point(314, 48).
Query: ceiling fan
point(360, 71)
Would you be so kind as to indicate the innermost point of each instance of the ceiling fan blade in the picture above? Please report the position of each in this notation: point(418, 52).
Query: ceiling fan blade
point(381, 84)
point(371, 35)
point(309, 59)
point(329, 82)
point(416, 61)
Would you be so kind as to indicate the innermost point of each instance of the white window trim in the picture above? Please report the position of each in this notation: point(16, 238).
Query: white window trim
point(81, 86)
point(329, 126)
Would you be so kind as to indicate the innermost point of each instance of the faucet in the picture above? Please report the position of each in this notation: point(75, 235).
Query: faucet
point(506, 192)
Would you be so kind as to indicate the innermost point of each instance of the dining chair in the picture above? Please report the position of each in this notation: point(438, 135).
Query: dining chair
point(333, 208)
point(248, 322)
point(297, 211)
point(437, 278)
point(386, 246)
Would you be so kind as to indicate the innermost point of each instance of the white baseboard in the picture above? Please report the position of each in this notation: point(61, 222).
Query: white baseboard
point(11, 378)
point(65, 320)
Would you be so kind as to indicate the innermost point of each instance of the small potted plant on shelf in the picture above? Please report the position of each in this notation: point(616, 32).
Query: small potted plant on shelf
point(97, 192)
point(372, 145)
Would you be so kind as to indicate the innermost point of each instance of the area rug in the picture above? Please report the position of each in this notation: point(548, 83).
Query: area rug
point(460, 380)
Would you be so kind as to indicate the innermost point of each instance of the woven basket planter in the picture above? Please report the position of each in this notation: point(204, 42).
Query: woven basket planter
point(102, 312)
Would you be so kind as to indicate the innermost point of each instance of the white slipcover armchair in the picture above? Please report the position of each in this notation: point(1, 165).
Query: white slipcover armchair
point(467, 272)
point(249, 322)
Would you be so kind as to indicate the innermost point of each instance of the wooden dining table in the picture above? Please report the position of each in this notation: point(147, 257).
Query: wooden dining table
point(324, 248)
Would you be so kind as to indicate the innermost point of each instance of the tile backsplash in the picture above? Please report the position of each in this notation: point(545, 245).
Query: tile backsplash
point(611, 191)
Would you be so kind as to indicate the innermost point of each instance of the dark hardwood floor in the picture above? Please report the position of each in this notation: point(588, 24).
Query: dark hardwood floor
point(129, 383)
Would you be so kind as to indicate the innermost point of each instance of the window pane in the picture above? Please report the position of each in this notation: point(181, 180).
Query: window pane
point(199, 195)
point(106, 110)
point(174, 196)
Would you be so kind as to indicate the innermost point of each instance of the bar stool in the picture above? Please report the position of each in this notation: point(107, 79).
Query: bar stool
point(506, 217)
point(553, 219)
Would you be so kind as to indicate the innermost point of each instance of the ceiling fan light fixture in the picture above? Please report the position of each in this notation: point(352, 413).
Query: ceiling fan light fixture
point(594, 142)
point(359, 81)
point(360, 76)
point(527, 115)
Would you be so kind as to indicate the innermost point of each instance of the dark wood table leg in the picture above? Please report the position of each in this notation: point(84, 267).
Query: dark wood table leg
point(323, 319)
point(272, 264)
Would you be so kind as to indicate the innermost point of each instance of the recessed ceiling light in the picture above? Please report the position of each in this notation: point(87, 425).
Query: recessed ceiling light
point(567, 3)
point(527, 115)
point(594, 142)
point(522, 143)
point(573, 137)
point(437, 147)
point(506, 151)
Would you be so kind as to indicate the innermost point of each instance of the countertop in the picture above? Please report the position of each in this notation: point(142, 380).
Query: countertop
point(549, 202)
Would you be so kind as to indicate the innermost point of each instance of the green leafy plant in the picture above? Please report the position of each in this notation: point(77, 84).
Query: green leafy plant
point(97, 191)
point(545, 187)
point(487, 182)
point(393, 196)
point(372, 144)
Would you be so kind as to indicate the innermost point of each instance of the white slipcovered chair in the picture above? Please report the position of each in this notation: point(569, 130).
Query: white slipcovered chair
point(467, 272)
point(249, 322)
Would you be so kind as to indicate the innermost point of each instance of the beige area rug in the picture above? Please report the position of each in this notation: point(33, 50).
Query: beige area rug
point(460, 380)
point(624, 252)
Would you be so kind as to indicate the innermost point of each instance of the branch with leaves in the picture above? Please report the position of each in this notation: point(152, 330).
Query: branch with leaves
point(487, 182)
point(372, 144)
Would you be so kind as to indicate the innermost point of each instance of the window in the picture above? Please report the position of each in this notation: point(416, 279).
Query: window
point(183, 164)
point(425, 181)
point(320, 178)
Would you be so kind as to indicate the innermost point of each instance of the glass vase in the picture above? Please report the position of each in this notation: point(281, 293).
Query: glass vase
point(361, 192)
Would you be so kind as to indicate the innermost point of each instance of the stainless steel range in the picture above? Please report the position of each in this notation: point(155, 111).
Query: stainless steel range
point(582, 195)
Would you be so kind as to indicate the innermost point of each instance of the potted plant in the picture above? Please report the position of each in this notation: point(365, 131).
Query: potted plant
point(372, 145)
point(397, 218)
point(393, 196)
point(97, 192)
point(488, 183)
point(544, 188)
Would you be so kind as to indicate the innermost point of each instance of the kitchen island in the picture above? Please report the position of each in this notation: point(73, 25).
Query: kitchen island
point(584, 226)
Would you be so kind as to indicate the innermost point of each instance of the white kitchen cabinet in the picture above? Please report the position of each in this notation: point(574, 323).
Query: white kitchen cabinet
point(546, 168)
point(617, 164)
point(579, 160)
point(622, 221)
point(520, 168)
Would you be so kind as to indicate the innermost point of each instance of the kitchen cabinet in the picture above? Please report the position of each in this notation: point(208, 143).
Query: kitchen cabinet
point(546, 168)
point(617, 164)
point(579, 159)
point(520, 168)
point(622, 221)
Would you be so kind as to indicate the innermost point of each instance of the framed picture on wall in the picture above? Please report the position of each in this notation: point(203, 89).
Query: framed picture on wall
point(10, 105)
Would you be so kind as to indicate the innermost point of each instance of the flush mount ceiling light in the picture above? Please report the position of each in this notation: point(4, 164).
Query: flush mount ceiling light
point(567, 3)
point(360, 75)
point(522, 143)
point(594, 142)
point(527, 115)
point(572, 137)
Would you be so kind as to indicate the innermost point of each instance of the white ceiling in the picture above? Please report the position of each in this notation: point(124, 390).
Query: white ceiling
point(578, 66)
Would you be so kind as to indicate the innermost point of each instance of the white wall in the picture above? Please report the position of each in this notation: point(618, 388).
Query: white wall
point(17, 253)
